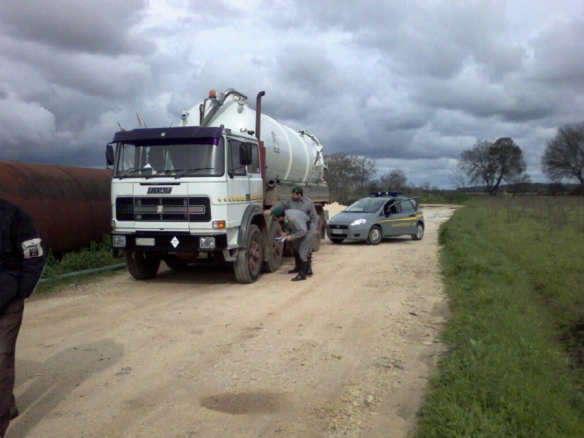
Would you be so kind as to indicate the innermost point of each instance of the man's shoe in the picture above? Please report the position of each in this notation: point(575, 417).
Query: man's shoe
point(301, 275)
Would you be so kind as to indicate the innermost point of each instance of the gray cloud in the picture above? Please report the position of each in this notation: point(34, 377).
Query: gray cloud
point(82, 26)
point(408, 84)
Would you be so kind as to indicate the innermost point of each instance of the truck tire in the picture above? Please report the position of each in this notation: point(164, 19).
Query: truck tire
point(318, 234)
point(248, 263)
point(141, 265)
point(276, 249)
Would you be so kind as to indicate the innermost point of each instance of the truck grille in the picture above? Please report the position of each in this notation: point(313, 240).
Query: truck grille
point(163, 209)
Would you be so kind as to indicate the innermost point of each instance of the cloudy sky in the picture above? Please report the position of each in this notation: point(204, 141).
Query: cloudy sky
point(409, 83)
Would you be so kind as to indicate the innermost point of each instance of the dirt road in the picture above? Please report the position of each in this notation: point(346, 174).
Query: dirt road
point(194, 354)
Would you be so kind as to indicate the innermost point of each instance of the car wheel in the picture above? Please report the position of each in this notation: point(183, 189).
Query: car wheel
point(336, 240)
point(374, 237)
point(419, 232)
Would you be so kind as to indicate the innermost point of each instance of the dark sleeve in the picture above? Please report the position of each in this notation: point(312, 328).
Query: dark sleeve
point(33, 258)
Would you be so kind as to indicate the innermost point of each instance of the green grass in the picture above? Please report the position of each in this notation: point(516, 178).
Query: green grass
point(97, 255)
point(514, 277)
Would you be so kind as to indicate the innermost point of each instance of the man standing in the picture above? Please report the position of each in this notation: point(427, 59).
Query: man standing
point(21, 265)
point(296, 231)
point(298, 201)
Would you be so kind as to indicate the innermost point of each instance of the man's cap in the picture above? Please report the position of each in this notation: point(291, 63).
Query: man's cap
point(278, 212)
point(297, 189)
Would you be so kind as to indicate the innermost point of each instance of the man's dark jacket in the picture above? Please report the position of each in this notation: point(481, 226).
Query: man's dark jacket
point(22, 259)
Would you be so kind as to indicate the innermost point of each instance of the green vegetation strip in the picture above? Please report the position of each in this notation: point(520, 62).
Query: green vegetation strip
point(76, 265)
point(514, 283)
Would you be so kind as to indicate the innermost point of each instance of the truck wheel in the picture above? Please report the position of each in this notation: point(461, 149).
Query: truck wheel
point(141, 265)
point(248, 264)
point(336, 240)
point(318, 233)
point(275, 249)
point(374, 237)
point(316, 242)
point(419, 232)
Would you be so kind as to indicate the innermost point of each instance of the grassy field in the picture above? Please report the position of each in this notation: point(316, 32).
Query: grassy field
point(514, 276)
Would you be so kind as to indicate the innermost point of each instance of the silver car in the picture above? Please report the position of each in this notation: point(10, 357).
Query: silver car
point(383, 214)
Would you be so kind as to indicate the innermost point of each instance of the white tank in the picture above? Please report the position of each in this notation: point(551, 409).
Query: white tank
point(290, 155)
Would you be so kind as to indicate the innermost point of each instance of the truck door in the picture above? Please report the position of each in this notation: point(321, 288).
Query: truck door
point(245, 181)
point(256, 185)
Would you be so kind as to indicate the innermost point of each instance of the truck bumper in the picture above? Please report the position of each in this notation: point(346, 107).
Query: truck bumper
point(169, 243)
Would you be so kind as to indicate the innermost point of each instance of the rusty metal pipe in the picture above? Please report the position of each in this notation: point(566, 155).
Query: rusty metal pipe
point(71, 206)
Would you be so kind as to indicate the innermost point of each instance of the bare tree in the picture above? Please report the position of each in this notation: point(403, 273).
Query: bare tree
point(564, 155)
point(491, 163)
point(348, 176)
point(395, 180)
point(426, 186)
point(518, 183)
point(459, 178)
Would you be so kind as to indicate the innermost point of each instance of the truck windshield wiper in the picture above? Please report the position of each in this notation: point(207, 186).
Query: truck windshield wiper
point(187, 172)
point(131, 171)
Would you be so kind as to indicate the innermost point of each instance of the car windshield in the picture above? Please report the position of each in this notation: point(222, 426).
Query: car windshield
point(177, 160)
point(366, 205)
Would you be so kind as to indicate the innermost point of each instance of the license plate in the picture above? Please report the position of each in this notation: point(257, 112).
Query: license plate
point(144, 241)
point(334, 231)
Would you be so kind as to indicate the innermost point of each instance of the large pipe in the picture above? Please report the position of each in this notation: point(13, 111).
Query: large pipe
point(71, 206)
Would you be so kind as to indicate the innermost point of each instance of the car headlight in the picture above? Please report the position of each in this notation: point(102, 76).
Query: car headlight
point(359, 222)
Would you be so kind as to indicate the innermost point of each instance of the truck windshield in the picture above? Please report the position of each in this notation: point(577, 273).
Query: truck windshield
point(163, 160)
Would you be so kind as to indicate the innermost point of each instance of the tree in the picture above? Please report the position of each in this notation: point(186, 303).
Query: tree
point(491, 163)
point(348, 176)
point(459, 178)
point(395, 180)
point(564, 155)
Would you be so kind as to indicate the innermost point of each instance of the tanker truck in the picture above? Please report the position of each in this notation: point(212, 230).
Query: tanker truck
point(195, 193)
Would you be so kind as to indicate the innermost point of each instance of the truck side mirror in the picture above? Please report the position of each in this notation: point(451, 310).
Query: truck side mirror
point(109, 154)
point(244, 154)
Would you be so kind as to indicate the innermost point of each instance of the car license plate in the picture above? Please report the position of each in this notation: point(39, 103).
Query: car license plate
point(144, 241)
point(335, 231)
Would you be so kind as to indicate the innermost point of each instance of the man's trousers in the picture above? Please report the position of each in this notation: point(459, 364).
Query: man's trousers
point(10, 321)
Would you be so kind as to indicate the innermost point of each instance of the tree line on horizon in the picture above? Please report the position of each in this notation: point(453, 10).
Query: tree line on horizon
point(487, 164)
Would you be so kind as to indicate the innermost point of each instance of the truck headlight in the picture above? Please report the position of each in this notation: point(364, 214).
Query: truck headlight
point(359, 222)
point(207, 242)
point(118, 241)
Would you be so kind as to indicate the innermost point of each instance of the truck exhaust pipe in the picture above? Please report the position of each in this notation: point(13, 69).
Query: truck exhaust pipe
point(258, 132)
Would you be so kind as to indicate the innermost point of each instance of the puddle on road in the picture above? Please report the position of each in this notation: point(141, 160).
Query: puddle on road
point(245, 402)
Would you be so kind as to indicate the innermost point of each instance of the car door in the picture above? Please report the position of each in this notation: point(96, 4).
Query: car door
point(388, 216)
point(408, 210)
point(397, 221)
